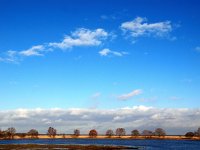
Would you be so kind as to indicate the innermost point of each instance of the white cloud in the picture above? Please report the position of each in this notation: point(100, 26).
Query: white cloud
point(33, 51)
point(117, 118)
point(9, 56)
point(173, 120)
point(139, 27)
point(130, 95)
point(82, 37)
point(17, 56)
point(107, 52)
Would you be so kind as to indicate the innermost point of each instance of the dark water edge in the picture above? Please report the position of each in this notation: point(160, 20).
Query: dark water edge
point(146, 144)
point(63, 147)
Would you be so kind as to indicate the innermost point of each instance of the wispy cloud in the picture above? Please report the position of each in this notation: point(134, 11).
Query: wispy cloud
point(108, 52)
point(175, 98)
point(115, 15)
point(96, 95)
point(33, 51)
point(151, 99)
point(104, 17)
point(16, 56)
point(186, 80)
point(174, 121)
point(197, 49)
point(130, 95)
point(9, 56)
point(109, 17)
point(140, 27)
point(81, 37)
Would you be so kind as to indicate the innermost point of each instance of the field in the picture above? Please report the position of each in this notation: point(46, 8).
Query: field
point(171, 137)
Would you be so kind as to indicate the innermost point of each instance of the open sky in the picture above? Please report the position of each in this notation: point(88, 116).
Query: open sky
point(137, 57)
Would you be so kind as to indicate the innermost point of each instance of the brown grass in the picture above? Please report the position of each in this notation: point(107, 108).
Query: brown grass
point(68, 147)
point(169, 137)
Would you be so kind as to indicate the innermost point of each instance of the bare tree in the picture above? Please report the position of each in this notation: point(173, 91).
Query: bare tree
point(3, 134)
point(93, 133)
point(76, 132)
point(189, 134)
point(11, 132)
point(147, 133)
point(51, 132)
point(120, 132)
point(33, 133)
point(198, 132)
point(160, 132)
point(109, 133)
point(135, 133)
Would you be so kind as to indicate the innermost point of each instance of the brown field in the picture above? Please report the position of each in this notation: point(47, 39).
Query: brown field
point(171, 137)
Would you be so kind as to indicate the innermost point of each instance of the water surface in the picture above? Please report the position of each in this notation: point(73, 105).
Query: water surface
point(146, 144)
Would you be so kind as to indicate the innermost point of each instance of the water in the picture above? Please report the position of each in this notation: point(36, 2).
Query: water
point(146, 144)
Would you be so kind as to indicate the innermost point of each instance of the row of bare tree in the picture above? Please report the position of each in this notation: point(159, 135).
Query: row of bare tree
point(122, 132)
point(11, 132)
point(52, 132)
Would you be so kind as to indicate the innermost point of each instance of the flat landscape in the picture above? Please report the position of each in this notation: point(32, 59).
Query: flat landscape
point(167, 137)
point(99, 74)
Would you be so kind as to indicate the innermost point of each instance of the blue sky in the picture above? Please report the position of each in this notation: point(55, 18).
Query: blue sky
point(103, 63)
point(150, 46)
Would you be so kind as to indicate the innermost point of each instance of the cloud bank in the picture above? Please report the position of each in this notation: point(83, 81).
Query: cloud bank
point(174, 121)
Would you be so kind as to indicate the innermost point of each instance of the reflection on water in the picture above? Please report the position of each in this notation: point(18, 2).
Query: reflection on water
point(146, 144)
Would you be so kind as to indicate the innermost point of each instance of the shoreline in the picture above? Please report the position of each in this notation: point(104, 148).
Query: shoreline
point(127, 137)
point(67, 147)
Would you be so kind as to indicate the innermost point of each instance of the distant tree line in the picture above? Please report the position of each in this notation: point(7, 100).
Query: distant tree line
point(11, 132)
point(119, 132)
